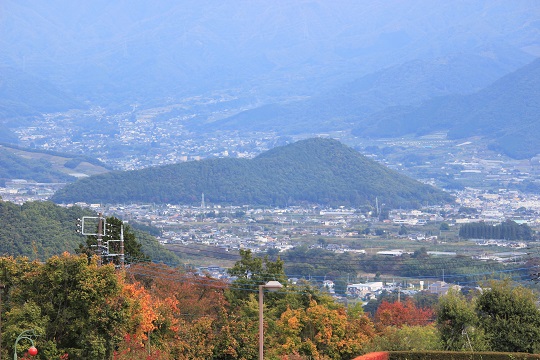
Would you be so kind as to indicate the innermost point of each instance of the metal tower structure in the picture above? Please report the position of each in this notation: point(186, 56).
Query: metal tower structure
point(106, 251)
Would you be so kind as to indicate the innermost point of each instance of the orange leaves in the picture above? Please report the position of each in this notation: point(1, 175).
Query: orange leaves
point(402, 313)
point(320, 329)
point(144, 314)
point(175, 308)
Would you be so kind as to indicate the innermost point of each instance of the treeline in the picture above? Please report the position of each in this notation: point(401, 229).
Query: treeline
point(318, 171)
point(79, 310)
point(317, 263)
point(508, 230)
point(39, 230)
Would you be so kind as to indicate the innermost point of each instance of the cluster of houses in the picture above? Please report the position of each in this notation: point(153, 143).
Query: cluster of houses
point(371, 290)
point(361, 291)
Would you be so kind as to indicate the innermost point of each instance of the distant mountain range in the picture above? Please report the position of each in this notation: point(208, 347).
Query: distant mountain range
point(313, 171)
point(507, 112)
point(350, 104)
point(302, 67)
point(112, 52)
point(398, 101)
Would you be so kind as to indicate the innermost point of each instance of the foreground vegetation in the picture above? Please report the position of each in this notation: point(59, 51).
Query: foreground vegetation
point(80, 310)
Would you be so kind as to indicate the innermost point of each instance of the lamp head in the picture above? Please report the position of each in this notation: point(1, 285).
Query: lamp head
point(273, 285)
point(32, 351)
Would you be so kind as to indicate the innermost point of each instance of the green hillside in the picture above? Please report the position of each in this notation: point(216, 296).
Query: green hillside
point(317, 171)
point(39, 230)
point(506, 112)
point(45, 166)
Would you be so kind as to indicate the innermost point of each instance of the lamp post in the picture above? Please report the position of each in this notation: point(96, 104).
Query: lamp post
point(2, 287)
point(271, 286)
point(28, 335)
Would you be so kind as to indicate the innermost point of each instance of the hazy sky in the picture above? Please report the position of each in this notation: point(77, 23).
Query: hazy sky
point(143, 48)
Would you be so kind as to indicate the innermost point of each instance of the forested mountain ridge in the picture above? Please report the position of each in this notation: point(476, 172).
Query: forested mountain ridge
point(316, 171)
point(39, 230)
point(506, 112)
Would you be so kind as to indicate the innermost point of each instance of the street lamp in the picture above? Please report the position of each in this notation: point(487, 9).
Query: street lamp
point(2, 287)
point(271, 286)
point(27, 335)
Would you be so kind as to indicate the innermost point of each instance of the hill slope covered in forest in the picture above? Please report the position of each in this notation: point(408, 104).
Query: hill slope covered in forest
point(316, 171)
point(39, 230)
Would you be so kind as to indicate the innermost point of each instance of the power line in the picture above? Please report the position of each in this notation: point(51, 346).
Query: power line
point(434, 263)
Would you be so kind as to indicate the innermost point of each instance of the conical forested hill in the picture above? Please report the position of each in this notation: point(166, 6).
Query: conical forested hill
point(317, 171)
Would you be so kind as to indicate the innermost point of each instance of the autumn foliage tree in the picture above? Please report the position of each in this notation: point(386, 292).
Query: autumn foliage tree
point(75, 306)
point(321, 332)
point(403, 313)
point(182, 309)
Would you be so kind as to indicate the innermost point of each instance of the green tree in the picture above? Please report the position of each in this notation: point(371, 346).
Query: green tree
point(75, 306)
point(406, 338)
point(132, 248)
point(420, 253)
point(402, 230)
point(458, 323)
point(340, 286)
point(510, 318)
point(250, 272)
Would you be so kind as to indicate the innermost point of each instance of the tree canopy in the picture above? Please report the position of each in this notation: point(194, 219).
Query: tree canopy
point(502, 317)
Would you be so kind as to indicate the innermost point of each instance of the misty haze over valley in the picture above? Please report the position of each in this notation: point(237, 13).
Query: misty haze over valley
point(432, 89)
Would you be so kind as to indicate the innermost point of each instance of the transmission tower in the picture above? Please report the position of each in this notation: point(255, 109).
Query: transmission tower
point(104, 250)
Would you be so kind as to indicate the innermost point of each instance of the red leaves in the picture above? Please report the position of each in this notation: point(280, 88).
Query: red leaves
point(402, 313)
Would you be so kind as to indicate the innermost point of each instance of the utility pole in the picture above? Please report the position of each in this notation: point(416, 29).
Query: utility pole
point(99, 239)
point(122, 245)
point(103, 250)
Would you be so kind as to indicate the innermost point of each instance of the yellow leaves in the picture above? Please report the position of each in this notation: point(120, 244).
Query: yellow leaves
point(196, 341)
point(293, 323)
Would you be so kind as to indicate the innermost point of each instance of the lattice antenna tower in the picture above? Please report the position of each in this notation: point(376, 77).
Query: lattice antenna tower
point(87, 226)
